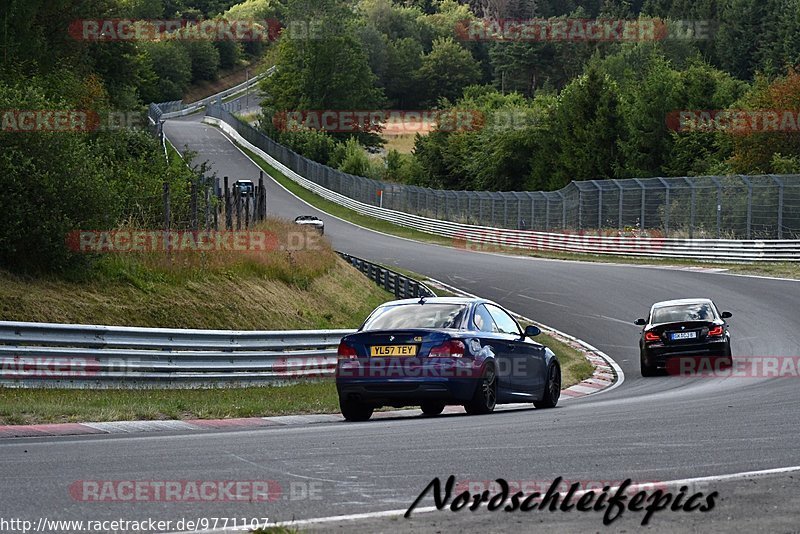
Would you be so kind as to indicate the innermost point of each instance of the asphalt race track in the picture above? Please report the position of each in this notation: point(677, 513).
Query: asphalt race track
point(658, 429)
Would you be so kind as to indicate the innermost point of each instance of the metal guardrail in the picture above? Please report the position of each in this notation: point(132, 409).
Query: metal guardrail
point(168, 110)
point(77, 356)
point(490, 239)
point(402, 286)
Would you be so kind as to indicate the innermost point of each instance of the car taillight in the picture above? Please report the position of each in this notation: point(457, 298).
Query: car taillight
point(715, 332)
point(650, 336)
point(452, 348)
point(346, 352)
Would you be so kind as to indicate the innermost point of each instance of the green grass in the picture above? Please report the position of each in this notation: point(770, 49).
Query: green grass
point(778, 269)
point(33, 406)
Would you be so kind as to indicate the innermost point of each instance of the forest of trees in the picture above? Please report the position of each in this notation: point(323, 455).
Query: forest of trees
point(580, 110)
point(53, 182)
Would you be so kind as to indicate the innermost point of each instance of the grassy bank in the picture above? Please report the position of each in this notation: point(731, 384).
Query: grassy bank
point(279, 290)
point(777, 269)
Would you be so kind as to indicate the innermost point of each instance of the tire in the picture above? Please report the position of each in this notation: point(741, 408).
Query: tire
point(552, 389)
point(647, 370)
point(484, 399)
point(726, 360)
point(355, 411)
point(432, 408)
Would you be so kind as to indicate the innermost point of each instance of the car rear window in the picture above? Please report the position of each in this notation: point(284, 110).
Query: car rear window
point(683, 312)
point(416, 316)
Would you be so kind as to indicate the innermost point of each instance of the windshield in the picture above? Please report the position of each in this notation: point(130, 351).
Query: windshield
point(416, 316)
point(684, 312)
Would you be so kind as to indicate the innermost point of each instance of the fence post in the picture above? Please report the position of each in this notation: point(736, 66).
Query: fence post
point(228, 209)
point(642, 203)
point(780, 204)
point(693, 212)
point(580, 209)
point(749, 184)
point(167, 215)
point(666, 206)
point(247, 212)
point(719, 206)
point(237, 200)
point(563, 209)
point(262, 197)
point(619, 215)
point(193, 223)
point(547, 214)
point(599, 204)
point(208, 207)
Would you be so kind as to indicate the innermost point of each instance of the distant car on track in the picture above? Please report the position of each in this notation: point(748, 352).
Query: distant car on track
point(312, 221)
point(246, 188)
point(683, 328)
point(431, 352)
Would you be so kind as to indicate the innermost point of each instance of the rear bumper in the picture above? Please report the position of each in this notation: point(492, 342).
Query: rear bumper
point(407, 392)
point(659, 355)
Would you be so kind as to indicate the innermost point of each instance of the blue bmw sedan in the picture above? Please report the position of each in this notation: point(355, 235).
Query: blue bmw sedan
point(438, 351)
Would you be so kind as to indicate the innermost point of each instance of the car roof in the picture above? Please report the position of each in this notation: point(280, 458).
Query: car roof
point(681, 302)
point(437, 300)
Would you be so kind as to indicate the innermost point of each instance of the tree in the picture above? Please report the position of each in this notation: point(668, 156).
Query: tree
point(204, 58)
point(447, 70)
point(586, 128)
point(321, 72)
point(648, 141)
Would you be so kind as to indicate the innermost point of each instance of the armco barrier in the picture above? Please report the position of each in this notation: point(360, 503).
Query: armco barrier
point(168, 110)
point(400, 285)
point(59, 355)
point(491, 239)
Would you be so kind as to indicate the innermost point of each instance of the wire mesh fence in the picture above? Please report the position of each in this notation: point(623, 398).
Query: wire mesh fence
point(718, 207)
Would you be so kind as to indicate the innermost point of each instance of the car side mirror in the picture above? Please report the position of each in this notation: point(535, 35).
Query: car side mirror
point(726, 315)
point(532, 331)
point(640, 322)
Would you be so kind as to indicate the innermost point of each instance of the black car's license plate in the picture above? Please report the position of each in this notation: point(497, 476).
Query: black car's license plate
point(679, 336)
